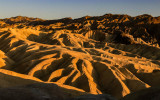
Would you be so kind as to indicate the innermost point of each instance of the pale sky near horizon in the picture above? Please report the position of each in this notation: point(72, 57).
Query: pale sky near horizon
point(55, 9)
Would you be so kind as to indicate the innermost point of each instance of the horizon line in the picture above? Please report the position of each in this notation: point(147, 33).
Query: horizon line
point(78, 17)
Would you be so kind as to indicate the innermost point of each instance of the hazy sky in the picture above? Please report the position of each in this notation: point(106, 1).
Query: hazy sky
point(54, 9)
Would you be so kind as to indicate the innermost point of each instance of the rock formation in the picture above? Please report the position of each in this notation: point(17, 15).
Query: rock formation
point(109, 54)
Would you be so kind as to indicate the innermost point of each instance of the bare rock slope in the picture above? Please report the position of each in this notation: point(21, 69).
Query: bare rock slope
point(109, 54)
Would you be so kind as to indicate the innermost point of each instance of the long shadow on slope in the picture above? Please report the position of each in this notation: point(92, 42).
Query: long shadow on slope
point(23, 58)
point(5, 41)
point(64, 62)
point(151, 53)
point(31, 59)
point(44, 39)
point(8, 81)
point(145, 51)
point(13, 87)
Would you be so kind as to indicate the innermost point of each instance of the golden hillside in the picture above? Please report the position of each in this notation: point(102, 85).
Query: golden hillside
point(109, 54)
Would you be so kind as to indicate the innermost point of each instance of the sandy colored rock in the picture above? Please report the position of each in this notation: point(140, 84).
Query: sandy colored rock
point(109, 54)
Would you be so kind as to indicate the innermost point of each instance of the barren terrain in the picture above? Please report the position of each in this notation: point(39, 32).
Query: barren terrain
point(109, 54)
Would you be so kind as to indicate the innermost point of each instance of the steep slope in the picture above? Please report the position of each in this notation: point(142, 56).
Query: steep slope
point(16, 86)
point(111, 54)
